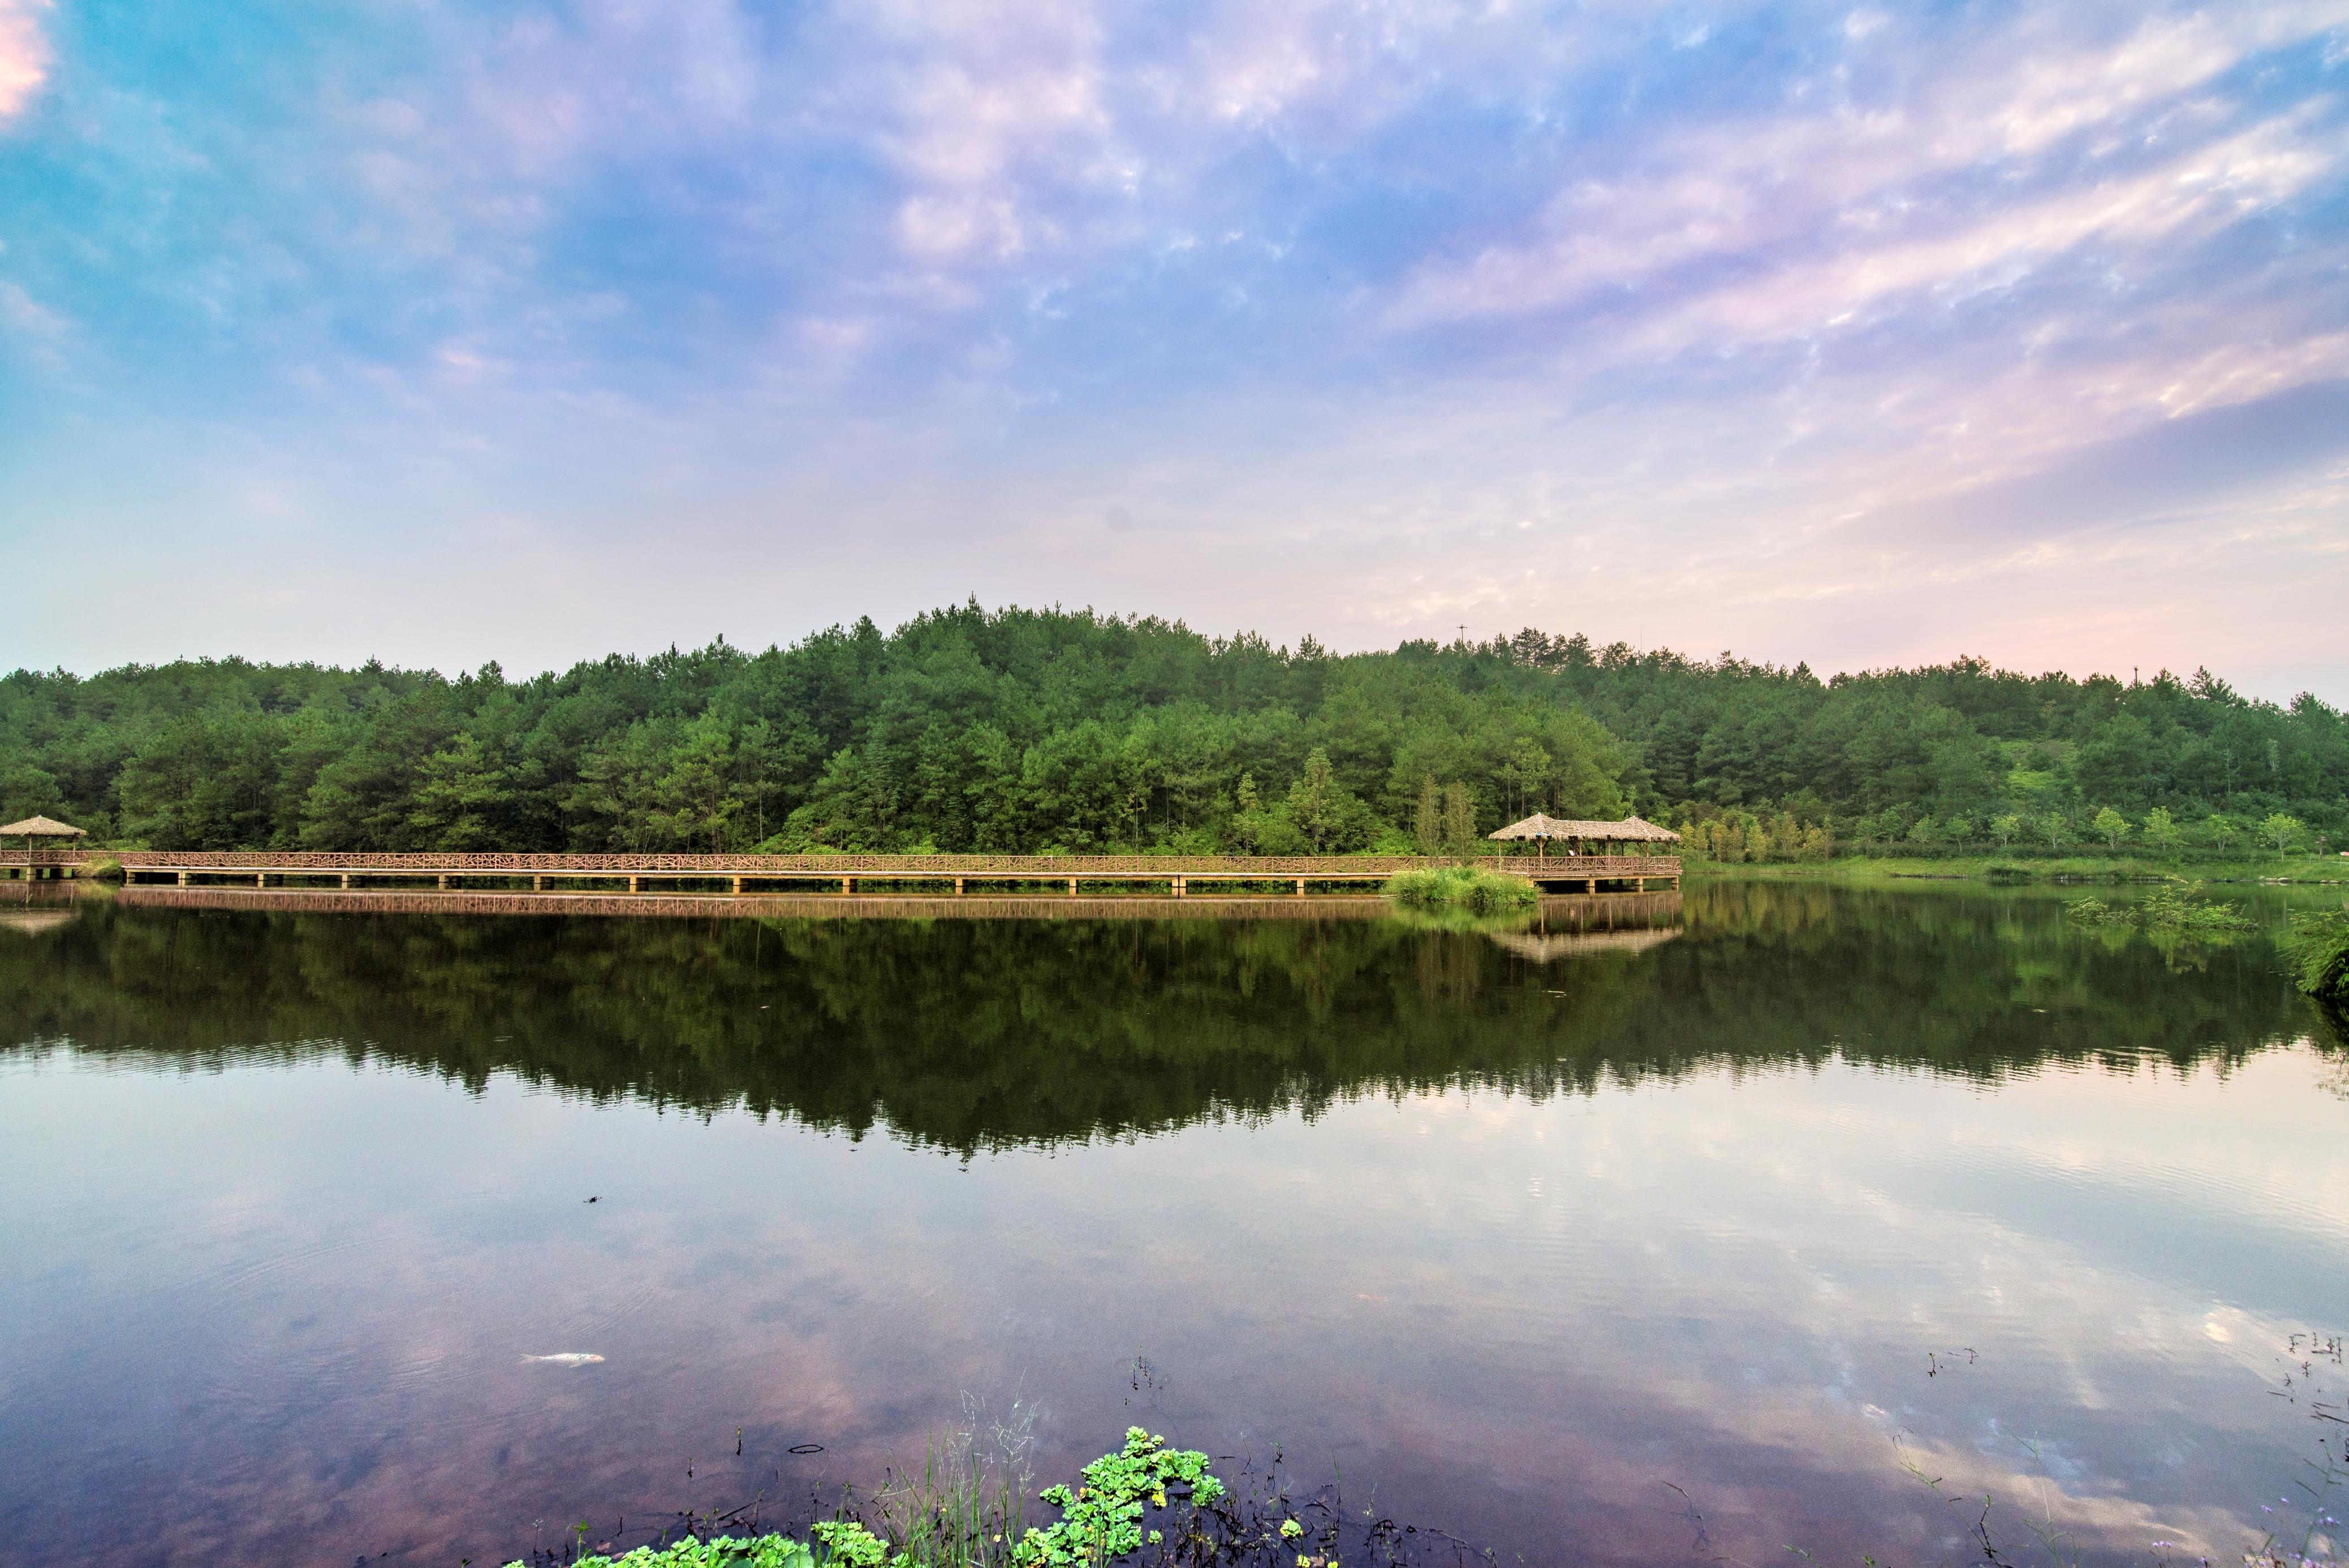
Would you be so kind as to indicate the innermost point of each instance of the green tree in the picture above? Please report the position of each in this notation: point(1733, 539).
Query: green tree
point(1459, 821)
point(1323, 811)
point(1256, 828)
point(2161, 830)
point(2281, 830)
point(2005, 829)
point(2112, 826)
point(1428, 822)
point(459, 794)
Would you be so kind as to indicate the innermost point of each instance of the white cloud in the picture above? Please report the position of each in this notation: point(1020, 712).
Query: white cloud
point(25, 54)
point(1851, 167)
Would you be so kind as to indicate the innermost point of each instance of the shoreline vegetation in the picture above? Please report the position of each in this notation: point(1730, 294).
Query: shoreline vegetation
point(1470, 890)
point(969, 1508)
point(2319, 943)
point(1144, 1501)
point(1022, 731)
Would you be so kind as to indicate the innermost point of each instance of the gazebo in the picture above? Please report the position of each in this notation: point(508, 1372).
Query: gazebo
point(32, 827)
point(1542, 830)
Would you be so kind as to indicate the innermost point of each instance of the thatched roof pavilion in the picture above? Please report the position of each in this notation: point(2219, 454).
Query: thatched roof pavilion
point(1629, 830)
point(32, 827)
point(42, 828)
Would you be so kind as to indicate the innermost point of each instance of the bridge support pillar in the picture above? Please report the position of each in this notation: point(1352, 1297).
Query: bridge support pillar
point(1178, 887)
point(442, 882)
point(958, 887)
point(346, 881)
point(183, 879)
point(1300, 887)
point(635, 885)
point(538, 884)
point(1072, 887)
point(848, 884)
point(738, 886)
point(261, 879)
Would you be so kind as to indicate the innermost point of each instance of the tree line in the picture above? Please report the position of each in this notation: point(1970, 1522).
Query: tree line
point(1029, 730)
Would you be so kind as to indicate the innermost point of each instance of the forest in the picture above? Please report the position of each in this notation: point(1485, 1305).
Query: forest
point(1029, 730)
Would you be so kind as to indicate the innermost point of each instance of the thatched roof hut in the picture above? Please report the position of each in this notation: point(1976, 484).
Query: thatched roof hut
point(1631, 829)
point(32, 827)
point(42, 828)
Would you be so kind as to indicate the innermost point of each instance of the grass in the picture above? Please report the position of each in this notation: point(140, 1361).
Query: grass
point(1466, 888)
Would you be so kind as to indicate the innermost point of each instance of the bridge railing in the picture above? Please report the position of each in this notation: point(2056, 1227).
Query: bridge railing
point(861, 866)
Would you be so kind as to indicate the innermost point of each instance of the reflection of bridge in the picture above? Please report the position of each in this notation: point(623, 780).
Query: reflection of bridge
point(849, 873)
point(1576, 911)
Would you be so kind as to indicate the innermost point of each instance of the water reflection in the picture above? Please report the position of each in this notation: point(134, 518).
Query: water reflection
point(1515, 1236)
point(978, 1034)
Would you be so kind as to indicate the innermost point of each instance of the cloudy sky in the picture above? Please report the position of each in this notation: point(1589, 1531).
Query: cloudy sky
point(444, 332)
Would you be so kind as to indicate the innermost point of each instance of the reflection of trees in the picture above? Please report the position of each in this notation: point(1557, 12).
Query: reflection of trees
point(974, 1034)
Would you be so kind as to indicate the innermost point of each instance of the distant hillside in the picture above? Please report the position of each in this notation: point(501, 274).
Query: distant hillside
point(1019, 729)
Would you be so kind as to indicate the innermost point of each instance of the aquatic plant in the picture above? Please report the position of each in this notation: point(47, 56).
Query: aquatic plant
point(838, 1544)
point(2169, 910)
point(970, 1496)
point(1471, 888)
point(959, 1518)
point(1101, 1520)
point(2319, 945)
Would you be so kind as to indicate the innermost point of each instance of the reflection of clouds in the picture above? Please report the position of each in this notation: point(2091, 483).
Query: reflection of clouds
point(1517, 1318)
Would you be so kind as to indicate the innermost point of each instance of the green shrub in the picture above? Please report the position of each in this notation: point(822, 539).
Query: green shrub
point(1469, 888)
point(2169, 910)
point(2319, 943)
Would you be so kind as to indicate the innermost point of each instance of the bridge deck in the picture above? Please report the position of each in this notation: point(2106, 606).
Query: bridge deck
point(740, 873)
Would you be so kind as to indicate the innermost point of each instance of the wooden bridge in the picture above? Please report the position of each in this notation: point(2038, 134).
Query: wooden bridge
point(849, 874)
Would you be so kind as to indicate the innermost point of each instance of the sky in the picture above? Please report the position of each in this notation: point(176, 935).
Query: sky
point(1860, 334)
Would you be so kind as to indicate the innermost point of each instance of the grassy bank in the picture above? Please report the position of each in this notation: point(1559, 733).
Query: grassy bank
point(1862, 868)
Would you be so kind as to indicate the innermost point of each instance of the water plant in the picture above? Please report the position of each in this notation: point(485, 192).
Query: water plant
point(970, 1496)
point(833, 1543)
point(1102, 1518)
point(2319, 945)
point(962, 1513)
point(2169, 910)
point(1471, 888)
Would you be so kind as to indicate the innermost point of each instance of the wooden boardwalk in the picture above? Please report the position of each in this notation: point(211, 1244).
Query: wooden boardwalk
point(849, 874)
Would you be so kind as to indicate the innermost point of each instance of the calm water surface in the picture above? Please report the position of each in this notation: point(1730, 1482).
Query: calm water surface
point(1511, 1233)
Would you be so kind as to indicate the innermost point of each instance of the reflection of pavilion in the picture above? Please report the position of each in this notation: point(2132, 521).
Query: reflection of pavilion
point(33, 922)
point(1547, 947)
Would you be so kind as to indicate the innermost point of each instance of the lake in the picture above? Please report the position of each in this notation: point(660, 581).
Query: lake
point(1662, 1243)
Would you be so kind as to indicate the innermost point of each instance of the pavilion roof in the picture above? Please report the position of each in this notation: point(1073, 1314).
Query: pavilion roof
point(41, 828)
point(1631, 829)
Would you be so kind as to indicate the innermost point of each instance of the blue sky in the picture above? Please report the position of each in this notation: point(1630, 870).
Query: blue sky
point(1854, 334)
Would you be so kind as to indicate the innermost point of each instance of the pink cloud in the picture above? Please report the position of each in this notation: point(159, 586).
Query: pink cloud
point(25, 56)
